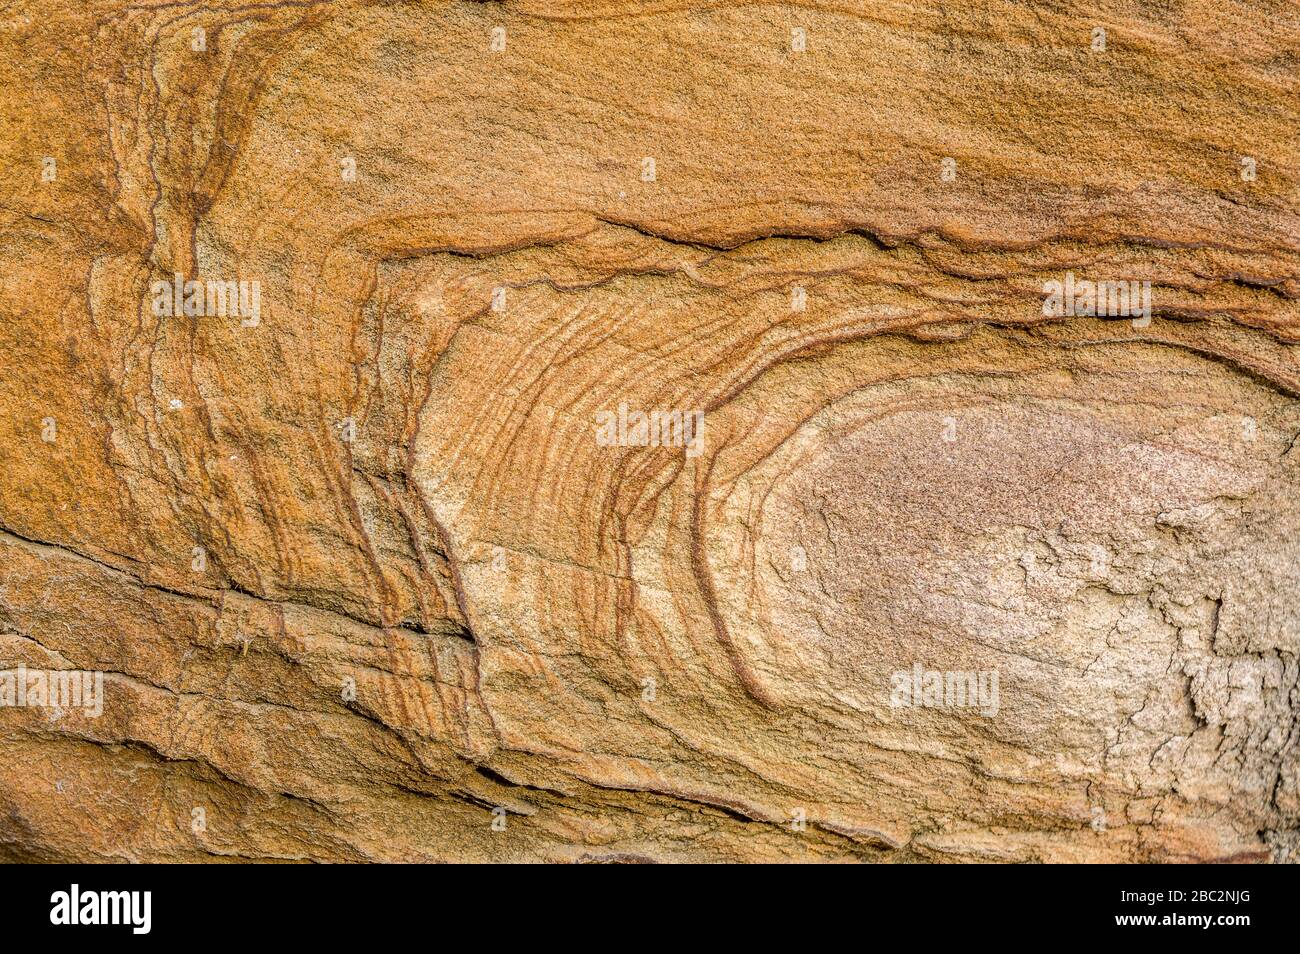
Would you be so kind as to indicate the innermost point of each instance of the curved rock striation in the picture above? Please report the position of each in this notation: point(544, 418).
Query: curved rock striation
point(650, 431)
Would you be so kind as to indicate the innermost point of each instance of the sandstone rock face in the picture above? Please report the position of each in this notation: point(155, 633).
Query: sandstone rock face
point(650, 431)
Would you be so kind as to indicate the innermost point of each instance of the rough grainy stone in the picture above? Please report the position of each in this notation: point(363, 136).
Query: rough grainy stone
point(366, 581)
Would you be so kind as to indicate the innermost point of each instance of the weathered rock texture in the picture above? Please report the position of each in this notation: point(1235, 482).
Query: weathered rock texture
point(639, 653)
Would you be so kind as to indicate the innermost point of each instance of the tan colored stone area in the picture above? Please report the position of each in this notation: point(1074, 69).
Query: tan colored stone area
point(366, 584)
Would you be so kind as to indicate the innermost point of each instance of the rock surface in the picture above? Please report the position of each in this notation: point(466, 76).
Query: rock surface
point(369, 579)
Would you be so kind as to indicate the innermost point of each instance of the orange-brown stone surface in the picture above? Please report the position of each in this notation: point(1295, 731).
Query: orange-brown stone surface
point(376, 564)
